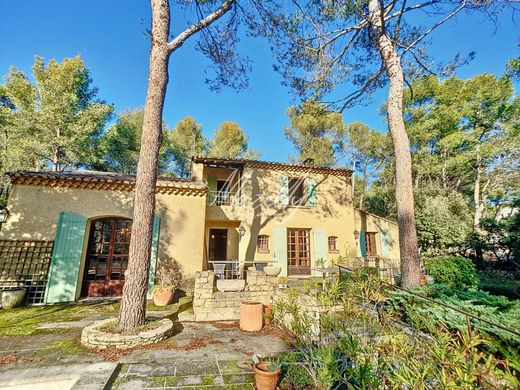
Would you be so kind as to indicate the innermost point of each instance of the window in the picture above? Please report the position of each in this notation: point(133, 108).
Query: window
point(262, 244)
point(223, 197)
point(333, 244)
point(296, 191)
point(370, 243)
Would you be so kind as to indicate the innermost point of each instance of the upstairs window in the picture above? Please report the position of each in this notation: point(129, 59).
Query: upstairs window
point(333, 244)
point(262, 244)
point(296, 191)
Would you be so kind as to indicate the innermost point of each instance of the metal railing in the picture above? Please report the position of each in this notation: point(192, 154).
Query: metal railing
point(223, 198)
point(388, 268)
point(454, 308)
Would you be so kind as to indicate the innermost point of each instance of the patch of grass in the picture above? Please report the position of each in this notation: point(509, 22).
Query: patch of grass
point(208, 379)
point(499, 283)
point(24, 321)
point(153, 307)
point(113, 328)
point(67, 346)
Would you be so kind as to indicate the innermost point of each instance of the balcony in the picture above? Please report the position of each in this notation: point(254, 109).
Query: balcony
point(223, 198)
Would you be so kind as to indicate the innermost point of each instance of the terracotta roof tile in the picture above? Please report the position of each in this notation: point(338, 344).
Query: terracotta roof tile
point(274, 165)
point(104, 180)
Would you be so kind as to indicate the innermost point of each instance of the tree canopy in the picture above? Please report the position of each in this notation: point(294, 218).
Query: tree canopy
point(314, 131)
point(187, 141)
point(229, 141)
point(49, 123)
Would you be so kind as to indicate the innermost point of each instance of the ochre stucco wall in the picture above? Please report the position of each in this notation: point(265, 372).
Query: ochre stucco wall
point(35, 210)
point(260, 211)
point(384, 229)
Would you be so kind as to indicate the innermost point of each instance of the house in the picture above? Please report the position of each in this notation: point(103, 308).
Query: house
point(256, 212)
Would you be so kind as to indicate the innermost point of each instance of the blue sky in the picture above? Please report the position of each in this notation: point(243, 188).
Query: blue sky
point(110, 37)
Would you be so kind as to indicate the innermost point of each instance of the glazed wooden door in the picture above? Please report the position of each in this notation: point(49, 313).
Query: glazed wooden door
point(107, 257)
point(298, 252)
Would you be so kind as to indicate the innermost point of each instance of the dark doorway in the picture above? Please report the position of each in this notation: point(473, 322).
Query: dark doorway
point(107, 257)
point(217, 244)
point(298, 252)
point(223, 193)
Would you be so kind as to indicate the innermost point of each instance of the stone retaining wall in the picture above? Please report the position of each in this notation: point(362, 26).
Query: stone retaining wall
point(308, 306)
point(92, 337)
point(212, 305)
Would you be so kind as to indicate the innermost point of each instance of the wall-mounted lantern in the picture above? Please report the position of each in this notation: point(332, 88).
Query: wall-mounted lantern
point(242, 230)
point(356, 234)
point(4, 215)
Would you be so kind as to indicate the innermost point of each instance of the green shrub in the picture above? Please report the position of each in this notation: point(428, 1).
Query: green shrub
point(455, 272)
point(493, 308)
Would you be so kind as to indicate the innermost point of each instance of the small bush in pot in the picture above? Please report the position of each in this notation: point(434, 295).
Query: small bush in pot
point(266, 375)
point(167, 276)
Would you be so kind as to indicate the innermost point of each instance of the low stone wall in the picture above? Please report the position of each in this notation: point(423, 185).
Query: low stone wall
point(92, 337)
point(308, 306)
point(212, 305)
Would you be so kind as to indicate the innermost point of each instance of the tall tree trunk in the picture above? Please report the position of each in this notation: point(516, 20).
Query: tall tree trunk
point(410, 264)
point(133, 304)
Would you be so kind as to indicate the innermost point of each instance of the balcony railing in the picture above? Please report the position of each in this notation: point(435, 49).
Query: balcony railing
point(223, 198)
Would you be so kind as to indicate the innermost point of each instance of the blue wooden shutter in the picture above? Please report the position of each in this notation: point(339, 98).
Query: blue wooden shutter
point(280, 248)
point(385, 250)
point(284, 190)
point(212, 189)
point(62, 282)
point(362, 244)
point(320, 244)
point(153, 254)
point(311, 192)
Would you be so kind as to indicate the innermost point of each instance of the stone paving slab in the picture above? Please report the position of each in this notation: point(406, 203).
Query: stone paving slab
point(75, 376)
point(199, 356)
point(198, 374)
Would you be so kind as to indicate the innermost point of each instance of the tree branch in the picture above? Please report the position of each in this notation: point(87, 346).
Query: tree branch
point(179, 40)
point(442, 21)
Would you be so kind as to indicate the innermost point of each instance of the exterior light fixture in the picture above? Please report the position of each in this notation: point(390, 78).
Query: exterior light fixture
point(4, 215)
point(242, 230)
point(356, 234)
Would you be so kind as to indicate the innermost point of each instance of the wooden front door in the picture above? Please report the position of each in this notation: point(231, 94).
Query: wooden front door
point(217, 244)
point(107, 257)
point(298, 252)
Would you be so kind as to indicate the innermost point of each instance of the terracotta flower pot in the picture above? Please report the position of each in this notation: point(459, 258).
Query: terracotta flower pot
point(162, 296)
point(264, 379)
point(251, 316)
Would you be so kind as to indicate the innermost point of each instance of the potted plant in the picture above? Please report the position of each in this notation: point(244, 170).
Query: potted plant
point(13, 298)
point(282, 282)
point(266, 375)
point(163, 291)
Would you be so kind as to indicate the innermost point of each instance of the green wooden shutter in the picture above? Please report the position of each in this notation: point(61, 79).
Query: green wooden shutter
point(212, 188)
point(62, 282)
point(385, 250)
point(153, 254)
point(284, 190)
point(280, 248)
point(320, 245)
point(362, 244)
point(311, 192)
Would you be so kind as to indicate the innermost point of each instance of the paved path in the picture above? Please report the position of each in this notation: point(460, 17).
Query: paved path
point(200, 355)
